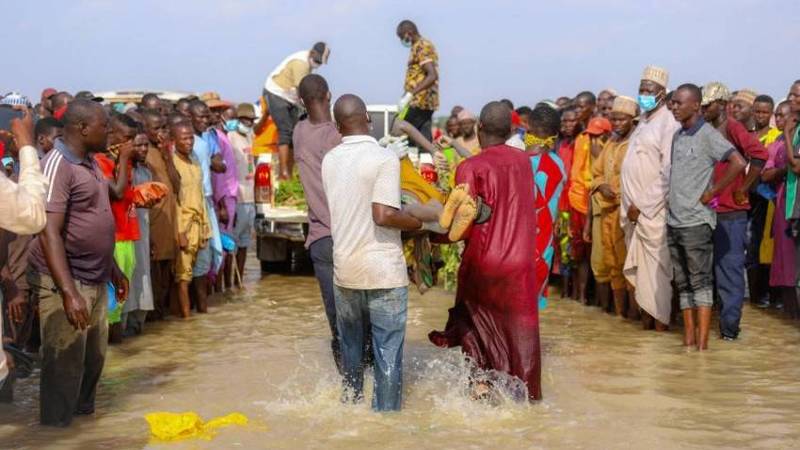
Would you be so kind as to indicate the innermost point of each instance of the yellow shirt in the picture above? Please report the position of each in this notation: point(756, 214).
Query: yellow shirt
point(192, 215)
point(606, 170)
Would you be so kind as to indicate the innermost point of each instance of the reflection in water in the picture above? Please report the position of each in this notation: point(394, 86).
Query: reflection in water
point(265, 353)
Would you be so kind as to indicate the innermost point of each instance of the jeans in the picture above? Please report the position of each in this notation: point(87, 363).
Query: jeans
point(730, 244)
point(321, 252)
point(692, 251)
point(386, 311)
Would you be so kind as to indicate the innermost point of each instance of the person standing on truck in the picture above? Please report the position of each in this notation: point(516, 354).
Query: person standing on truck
point(280, 93)
point(422, 79)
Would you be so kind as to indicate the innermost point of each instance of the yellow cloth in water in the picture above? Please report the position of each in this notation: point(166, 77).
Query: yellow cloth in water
point(412, 182)
point(168, 426)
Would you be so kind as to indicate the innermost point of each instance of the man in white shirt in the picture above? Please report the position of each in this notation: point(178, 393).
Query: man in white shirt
point(280, 91)
point(22, 206)
point(362, 184)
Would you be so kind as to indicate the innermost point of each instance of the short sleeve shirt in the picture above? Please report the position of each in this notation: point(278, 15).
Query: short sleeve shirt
point(695, 152)
point(79, 190)
point(311, 143)
point(422, 52)
point(356, 174)
point(124, 211)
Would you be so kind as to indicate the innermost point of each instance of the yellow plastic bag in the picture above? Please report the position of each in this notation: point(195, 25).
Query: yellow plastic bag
point(168, 426)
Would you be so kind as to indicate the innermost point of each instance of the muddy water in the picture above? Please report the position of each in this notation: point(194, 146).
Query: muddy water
point(265, 353)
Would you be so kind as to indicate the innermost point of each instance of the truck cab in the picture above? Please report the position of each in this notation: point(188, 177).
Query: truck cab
point(281, 231)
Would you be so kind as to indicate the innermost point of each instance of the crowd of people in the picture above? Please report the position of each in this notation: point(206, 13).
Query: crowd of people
point(149, 210)
point(644, 205)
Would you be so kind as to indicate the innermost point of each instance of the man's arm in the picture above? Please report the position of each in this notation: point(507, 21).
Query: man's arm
point(736, 164)
point(15, 302)
point(753, 150)
point(389, 217)
point(788, 136)
point(117, 185)
point(431, 75)
point(22, 205)
point(56, 257)
point(655, 196)
point(385, 198)
point(218, 164)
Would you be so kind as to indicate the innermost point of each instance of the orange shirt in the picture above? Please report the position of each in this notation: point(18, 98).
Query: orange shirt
point(266, 141)
point(581, 174)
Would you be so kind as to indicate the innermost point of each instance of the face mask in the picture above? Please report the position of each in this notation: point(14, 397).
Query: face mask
point(242, 128)
point(647, 102)
point(406, 43)
point(230, 125)
point(314, 64)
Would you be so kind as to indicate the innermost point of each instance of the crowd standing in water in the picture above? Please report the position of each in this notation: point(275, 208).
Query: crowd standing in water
point(671, 200)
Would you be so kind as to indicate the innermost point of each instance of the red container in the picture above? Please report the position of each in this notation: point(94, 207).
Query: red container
point(263, 183)
point(428, 172)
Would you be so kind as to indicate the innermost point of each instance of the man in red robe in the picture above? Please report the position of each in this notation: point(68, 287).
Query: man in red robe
point(495, 319)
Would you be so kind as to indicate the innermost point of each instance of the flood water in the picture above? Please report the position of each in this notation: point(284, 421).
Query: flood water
point(265, 353)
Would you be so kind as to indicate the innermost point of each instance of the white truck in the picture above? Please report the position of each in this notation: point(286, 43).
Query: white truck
point(281, 230)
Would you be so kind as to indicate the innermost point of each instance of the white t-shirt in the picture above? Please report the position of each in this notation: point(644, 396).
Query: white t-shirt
point(356, 174)
point(245, 165)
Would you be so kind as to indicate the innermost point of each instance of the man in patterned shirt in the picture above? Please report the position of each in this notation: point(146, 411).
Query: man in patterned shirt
point(422, 79)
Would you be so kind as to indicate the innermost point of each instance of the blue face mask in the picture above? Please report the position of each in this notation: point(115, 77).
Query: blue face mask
point(647, 102)
point(406, 43)
point(231, 125)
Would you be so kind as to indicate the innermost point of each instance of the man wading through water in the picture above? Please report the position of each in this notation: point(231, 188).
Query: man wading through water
point(362, 185)
point(495, 319)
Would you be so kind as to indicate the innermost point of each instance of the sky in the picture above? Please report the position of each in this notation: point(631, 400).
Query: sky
point(522, 50)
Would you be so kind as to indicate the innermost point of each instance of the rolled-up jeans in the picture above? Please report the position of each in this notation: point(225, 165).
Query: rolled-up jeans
point(730, 245)
point(386, 310)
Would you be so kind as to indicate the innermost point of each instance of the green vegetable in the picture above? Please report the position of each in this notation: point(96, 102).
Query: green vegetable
point(451, 256)
point(290, 193)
